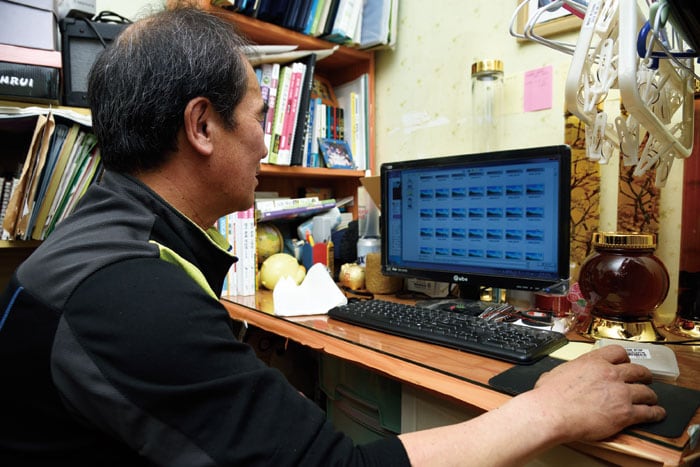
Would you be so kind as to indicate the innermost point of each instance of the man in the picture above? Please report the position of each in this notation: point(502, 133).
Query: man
point(114, 348)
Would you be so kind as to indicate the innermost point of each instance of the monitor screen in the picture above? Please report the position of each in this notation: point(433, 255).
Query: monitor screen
point(498, 219)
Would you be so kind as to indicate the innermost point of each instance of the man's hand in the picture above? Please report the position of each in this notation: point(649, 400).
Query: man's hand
point(599, 394)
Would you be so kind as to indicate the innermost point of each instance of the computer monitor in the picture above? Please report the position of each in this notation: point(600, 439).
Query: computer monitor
point(497, 219)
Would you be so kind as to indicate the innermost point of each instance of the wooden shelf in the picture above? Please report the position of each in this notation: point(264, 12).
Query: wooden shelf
point(19, 243)
point(25, 104)
point(344, 65)
point(310, 172)
point(292, 181)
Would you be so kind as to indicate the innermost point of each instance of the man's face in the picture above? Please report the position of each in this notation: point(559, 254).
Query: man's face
point(241, 149)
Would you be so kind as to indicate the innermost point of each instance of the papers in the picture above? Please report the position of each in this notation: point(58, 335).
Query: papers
point(317, 294)
point(288, 56)
point(14, 112)
point(269, 49)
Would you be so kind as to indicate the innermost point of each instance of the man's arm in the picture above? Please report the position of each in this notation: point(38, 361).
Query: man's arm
point(587, 399)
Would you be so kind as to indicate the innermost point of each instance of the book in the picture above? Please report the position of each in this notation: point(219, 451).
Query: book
point(345, 23)
point(302, 121)
point(271, 72)
point(283, 202)
point(302, 17)
point(336, 153)
point(273, 11)
point(295, 211)
point(330, 18)
point(17, 206)
point(53, 178)
point(56, 143)
point(7, 183)
point(312, 16)
point(280, 109)
point(319, 113)
point(352, 96)
point(83, 148)
point(322, 131)
point(238, 228)
point(82, 179)
point(23, 225)
point(321, 18)
point(246, 284)
point(284, 154)
point(308, 133)
point(31, 83)
point(30, 56)
point(291, 14)
point(376, 24)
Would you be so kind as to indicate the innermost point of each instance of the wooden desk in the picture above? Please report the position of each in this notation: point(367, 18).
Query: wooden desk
point(458, 376)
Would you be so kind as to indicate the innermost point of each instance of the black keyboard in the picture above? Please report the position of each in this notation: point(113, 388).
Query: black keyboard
point(504, 341)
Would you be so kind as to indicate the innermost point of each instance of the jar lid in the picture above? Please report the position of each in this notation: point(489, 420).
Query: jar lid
point(624, 240)
point(487, 66)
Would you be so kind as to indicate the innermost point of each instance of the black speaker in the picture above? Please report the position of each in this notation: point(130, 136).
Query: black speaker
point(81, 41)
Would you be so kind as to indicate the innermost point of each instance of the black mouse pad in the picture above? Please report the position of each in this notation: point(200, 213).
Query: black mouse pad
point(680, 403)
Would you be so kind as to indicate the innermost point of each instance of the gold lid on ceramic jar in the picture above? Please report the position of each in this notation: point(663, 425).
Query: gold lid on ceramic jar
point(487, 66)
point(624, 240)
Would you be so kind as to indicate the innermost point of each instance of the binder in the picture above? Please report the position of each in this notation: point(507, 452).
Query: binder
point(302, 124)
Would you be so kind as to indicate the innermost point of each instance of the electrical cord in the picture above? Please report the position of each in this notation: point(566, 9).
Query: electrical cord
point(106, 16)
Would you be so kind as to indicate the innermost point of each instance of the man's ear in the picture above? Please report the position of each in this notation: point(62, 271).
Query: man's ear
point(197, 125)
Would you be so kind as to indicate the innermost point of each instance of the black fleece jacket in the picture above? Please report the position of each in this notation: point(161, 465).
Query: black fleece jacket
point(115, 350)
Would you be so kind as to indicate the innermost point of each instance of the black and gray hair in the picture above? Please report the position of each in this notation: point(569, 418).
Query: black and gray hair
point(139, 86)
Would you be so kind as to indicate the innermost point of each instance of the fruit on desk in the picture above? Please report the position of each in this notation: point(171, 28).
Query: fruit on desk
point(278, 266)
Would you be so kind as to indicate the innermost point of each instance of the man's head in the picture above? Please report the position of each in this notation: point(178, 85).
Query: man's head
point(140, 86)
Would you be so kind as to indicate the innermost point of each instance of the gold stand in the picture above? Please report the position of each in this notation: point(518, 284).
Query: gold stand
point(642, 331)
point(690, 329)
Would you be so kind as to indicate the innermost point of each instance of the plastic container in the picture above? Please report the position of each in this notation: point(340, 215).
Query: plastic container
point(487, 104)
point(369, 240)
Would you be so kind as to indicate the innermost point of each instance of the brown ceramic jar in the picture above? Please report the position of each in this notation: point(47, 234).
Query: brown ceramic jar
point(622, 279)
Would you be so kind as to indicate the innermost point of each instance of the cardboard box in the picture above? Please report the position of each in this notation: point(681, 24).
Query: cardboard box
point(30, 56)
point(28, 23)
point(374, 188)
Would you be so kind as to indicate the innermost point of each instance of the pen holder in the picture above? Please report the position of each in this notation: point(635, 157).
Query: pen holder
point(321, 252)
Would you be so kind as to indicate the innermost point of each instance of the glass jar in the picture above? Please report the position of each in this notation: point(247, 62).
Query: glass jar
point(622, 279)
point(487, 103)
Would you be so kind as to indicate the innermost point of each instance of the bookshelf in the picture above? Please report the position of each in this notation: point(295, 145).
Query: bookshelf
point(15, 136)
point(344, 65)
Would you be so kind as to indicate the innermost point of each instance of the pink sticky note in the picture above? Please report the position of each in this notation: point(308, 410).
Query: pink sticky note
point(538, 89)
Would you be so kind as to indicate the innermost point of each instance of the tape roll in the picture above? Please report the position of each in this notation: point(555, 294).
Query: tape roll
point(556, 303)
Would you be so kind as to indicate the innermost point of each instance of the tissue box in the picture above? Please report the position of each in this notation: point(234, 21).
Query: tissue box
point(28, 23)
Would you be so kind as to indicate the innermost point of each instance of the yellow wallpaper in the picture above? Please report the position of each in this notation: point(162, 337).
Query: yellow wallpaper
point(423, 101)
point(423, 97)
point(423, 94)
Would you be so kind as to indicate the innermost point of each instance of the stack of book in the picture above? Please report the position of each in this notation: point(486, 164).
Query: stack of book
point(289, 208)
point(358, 23)
point(30, 62)
point(61, 162)
point(239, 230)
point(304, 110)
point(30, 74)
